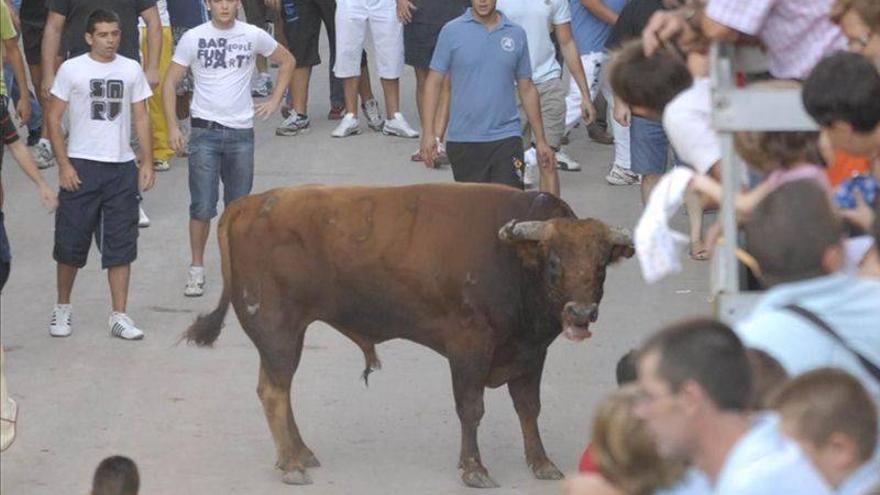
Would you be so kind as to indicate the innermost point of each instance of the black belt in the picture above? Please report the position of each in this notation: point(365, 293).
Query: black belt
point(208, 124)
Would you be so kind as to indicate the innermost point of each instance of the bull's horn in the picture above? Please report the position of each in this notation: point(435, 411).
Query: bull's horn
point(620, 236)
point(514, 231)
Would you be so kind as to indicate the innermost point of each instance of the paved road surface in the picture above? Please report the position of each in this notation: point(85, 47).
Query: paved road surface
point(191, 418)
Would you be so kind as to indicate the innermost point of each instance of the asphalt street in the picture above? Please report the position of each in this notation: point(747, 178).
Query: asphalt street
point(191, 418)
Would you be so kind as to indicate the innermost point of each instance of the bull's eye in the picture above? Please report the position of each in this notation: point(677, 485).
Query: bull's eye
point(554, 267)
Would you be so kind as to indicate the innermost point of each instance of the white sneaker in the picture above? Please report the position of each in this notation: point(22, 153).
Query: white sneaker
point(373, 115)
point(565, 162)
point(161, 165)
point(121, 326)
point(195, 285)
point(398, 126)
point(143, 219)
point(531, 175)
point(348, 126)
point(43, 154)
point(262, 87)
point(618, 176)
point(62, 317)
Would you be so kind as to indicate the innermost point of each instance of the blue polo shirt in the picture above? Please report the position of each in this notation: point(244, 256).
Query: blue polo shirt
point(589, 31)
point(483, 67)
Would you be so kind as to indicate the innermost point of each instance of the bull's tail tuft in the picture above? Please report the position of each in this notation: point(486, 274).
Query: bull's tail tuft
point(206, 329)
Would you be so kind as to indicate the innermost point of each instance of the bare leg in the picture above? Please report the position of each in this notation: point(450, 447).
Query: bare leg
point(299, 88)
point(526, 394)
point(118, 277)
point(350, 86)
point(694, 209)
point(365, 88)
point(66, 275)
point(37, 79)
point(648, 183)
point(421, 77)
point(183, 102)
point(198, 239)
point(262, 64)
point(391, 90)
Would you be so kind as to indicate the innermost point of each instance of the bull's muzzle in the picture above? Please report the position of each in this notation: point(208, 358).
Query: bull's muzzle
point(576, 319)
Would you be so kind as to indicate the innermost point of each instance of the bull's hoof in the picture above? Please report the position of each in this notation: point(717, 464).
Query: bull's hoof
point(296, 477)
point(547, 471)
point(478, 479)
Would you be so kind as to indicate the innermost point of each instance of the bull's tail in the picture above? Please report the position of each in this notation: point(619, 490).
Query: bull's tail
point(205, 330)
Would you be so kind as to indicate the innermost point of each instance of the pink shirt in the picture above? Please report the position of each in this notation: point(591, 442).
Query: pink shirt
point(797, 33)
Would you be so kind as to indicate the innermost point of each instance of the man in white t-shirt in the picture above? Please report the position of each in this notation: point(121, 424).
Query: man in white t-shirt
point(537, 18)
point(696, 384)
point(99, 180)
point(221, 54)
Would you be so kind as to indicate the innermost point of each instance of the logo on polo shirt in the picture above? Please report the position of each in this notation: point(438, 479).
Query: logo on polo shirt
point(507, 44)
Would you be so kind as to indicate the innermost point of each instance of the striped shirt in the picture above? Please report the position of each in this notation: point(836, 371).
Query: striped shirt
point(796, 33)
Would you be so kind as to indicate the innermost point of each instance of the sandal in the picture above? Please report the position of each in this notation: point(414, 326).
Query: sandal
point(698, 252)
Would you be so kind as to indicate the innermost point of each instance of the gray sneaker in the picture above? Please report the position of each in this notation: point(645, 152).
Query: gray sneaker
point(374, 117)
point(293, 125)
point(618, 176)
point(262, 86)
point(43, 155)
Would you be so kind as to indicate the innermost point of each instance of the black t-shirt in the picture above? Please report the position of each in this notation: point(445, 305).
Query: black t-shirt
point(77, 13)
point(438, 12)
point(632, 21)
point(33, 12)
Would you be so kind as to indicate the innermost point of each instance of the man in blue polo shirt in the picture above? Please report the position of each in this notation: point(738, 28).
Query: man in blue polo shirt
point(487, 60)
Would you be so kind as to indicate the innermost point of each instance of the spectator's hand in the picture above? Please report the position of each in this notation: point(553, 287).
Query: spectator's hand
point(546, 155)
point(146, 177)
point(176, 139)
point(23, 107)
point(862, 215)
point(267, 108)
point(405, 9)
point(48, 197)
point(152, 77)
point(428, 149)
point(663, 26)
point(622, 113)
point(68, 179)
point(588, 111)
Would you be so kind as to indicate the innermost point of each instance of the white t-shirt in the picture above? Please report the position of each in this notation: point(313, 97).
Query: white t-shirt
point(222, 61)
point(764, 462)
point(538, 17)
point(687, 121)
point(99, 97)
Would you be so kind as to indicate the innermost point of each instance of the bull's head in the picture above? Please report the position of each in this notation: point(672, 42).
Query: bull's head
point(572, 256)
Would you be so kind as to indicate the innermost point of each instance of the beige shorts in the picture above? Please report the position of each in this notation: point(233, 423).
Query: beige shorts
point(552, 96)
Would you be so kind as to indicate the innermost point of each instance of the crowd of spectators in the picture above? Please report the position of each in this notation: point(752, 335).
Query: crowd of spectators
point(784, 400)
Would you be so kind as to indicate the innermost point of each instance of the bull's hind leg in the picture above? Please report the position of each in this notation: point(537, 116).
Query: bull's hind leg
point(526, 394)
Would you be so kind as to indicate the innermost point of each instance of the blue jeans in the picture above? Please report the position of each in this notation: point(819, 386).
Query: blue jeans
point(216, 154)
point(649, 147)
point(36, 119)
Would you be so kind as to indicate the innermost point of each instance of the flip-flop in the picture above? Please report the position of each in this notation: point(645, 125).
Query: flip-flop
point(700, 254)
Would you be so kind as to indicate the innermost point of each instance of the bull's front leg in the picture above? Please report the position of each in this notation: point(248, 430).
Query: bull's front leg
point(468, 377)
point(526, 394)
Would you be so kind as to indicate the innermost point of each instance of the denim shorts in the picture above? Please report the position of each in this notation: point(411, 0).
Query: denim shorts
point(215, 155)
point(104, 207)
point(649, 147)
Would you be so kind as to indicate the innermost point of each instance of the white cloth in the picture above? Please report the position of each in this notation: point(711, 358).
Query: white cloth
point(657, 245)
point(592, 63)
point(164, 19)
point(862, 480)
point(222, 61)
point(538, 19)
point(687, 121)
point(856, 249)
point(352, 17)
point(99, 97)
point(765, 462)
point(619, 132)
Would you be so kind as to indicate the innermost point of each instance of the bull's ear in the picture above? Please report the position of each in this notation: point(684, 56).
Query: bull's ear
point(515, 232)
point(621, 244)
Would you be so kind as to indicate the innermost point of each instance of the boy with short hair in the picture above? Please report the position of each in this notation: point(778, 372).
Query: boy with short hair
point(99, 180)
point(116, 475)
point(830, 414)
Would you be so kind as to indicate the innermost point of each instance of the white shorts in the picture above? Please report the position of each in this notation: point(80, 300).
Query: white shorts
point(592, 63)
point(351, 31)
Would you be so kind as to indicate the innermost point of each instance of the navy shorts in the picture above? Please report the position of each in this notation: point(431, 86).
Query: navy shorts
point(5, 255)
point(105, 206)
point(419, 41)
point(649, 147)
point(496, 162)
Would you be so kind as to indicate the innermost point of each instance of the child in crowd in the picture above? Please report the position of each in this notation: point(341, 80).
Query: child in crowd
point(830, 414)
point(116, 475)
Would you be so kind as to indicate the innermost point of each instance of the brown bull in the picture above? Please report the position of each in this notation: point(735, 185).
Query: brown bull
point(485, 275)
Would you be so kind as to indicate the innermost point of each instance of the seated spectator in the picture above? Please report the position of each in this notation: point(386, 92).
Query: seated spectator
point(831, 416)
point(767, 377)
point(627, 458)
point(795, 238)
point(860, 22)
point(116, 475)
point(696, 386)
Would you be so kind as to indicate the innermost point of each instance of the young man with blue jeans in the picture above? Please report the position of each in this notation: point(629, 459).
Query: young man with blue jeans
point(221, 53)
